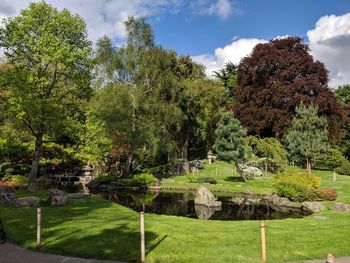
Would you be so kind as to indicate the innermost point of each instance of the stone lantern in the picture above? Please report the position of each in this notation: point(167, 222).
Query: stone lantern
point(210, 156)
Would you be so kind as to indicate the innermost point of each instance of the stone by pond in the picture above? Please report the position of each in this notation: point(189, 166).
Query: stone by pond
point(233, 206)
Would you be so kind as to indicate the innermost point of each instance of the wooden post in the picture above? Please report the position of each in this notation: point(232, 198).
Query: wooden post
point(330, 258)
point(38, 229)
point(334, 177)
point(263, 241)
point(265, 166)
point(142, 226)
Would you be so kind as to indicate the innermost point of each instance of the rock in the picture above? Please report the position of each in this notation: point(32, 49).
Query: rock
point(205, 197)
point(340, 207)
point(30, 201)
point(7, 194)
point(313, 207)
point(76, 196)
point(282, 204)
point(57, 197)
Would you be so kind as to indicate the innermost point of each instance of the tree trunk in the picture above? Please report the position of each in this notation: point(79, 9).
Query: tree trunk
point(128, 165)
point(35, 163)
point(245, 179)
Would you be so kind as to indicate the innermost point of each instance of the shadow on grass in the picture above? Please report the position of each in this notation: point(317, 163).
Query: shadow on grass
point(90, 228)
point(234, 179)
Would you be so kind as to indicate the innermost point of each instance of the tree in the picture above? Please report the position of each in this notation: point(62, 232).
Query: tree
point(48, 80)
point(274, 79)
point(228, 78)
point(342, 93)
point(307, 136)
point(229, 143)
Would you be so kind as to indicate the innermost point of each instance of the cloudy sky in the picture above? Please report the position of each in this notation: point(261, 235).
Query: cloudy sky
point(217, 31)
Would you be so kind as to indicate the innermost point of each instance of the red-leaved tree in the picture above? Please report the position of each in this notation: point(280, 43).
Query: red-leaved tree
point(274, 79)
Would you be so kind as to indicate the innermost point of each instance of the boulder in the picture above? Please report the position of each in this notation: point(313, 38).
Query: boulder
point(282, 204)
point(57, 197)
point(30, 201)
point(341, 207)
point(204, 197)
point(7, 194)
point(76, 196)
point(313, 207)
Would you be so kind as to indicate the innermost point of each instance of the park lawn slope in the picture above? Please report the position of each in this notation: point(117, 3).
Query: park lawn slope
point(96, 228)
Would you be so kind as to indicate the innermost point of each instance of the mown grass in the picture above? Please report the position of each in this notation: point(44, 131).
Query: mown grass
point(96, 228)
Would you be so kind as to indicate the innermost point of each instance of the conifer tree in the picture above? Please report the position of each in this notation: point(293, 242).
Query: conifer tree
point(308, 134)
point(230, 144)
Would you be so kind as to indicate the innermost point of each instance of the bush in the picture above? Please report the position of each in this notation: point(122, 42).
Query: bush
point(344, 169)
point(15, 180)
point(250, 171)
point(297, 186)
point(331, 159)
point(269, 148)
point(197, 164)
point(145, 179)
point(326, 195)
point(191, 178)
point(205, 179)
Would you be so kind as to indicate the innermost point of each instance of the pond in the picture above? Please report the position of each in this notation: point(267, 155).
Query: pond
point(234, 207)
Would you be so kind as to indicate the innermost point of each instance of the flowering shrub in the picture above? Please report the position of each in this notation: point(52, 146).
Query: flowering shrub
point(16, 181)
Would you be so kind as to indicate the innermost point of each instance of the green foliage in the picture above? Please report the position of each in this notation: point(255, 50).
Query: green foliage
point(191, 178)
point(230, 144)
point(145, 179)
point(206, 179)
point(331, 159)
point(297, 186)
point(197, 164)
point(16, 180)
point(344, 169)
point(270, 148)
point(307, 136)
point(342, 93)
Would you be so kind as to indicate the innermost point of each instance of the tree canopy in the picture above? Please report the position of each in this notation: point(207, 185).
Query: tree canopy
point(48, 75)
point(274, 79)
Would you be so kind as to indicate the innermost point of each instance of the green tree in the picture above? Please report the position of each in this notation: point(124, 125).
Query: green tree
point(342, 93)
point(228, 78)
point(48, 80)
point(230, 144)
point(307, 136)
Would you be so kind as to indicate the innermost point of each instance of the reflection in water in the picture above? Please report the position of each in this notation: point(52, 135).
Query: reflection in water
point(205, 212)
point(182, 204)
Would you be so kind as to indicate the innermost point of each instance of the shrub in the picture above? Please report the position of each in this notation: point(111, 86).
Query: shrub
point(297, 186)
point(331, 159)
point(191, 178)
point(145, 179)
point(269, 148)
point(250, 171)
point(197, 164)
point(344, 169)
point(15, 180)
point(206, 179)
point(326, 195)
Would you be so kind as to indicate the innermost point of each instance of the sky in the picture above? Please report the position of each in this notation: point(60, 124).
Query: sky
point(215, 32)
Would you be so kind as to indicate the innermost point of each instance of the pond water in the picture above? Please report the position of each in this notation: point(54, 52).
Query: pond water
point(182, 204)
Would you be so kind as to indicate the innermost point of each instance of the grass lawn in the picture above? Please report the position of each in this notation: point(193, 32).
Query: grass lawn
point(96, 228)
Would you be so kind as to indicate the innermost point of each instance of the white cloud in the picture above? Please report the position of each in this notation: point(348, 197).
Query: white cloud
point(330, 43)
point(103, 17)
point(233, 52)
point(220, 8)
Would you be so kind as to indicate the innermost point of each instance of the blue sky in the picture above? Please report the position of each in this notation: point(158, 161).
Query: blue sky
point(189, 33)
point(214, 32)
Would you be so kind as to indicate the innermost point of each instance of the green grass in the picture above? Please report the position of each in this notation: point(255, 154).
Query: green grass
point(96, 228)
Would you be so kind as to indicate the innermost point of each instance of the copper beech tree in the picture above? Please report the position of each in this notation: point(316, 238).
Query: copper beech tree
point(276, 78)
